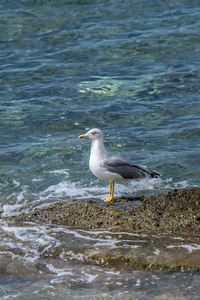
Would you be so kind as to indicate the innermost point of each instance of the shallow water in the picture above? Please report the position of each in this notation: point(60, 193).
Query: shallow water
point(49, 261)
point(130, 68)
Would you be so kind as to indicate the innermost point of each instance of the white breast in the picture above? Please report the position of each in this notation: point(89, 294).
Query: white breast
point(97, 155)
point(101, 172)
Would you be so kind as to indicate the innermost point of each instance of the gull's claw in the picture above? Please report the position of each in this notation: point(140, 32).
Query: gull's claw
point(107, 199)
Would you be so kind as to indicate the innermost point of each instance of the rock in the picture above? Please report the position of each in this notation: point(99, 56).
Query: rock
point(172, 212)
point(162, 233)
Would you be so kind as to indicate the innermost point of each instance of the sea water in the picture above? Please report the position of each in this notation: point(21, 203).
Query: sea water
point(130, 68)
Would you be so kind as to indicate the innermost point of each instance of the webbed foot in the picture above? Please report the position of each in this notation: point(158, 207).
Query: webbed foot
point(107, 199)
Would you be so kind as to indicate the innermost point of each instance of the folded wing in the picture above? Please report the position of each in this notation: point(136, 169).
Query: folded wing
point(126, 169)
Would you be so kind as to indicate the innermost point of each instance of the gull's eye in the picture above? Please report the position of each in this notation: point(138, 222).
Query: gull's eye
point(94, 132)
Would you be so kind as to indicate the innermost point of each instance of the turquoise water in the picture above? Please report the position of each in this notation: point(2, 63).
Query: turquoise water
point(130, 68)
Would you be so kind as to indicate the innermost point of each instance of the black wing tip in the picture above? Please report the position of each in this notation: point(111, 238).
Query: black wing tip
point(154, 174)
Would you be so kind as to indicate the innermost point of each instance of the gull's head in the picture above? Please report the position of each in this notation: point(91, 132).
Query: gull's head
point(93, 134)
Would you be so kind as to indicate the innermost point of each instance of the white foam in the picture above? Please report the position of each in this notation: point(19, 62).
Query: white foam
point(190, 248)
point(144, 184)
point(29, 238)
point(157, 251)
point(90, 277)
point(20, 196)
point(169, 184)
point(16, 183)
point(11, 210)
point(59, 272)
point(138, 283)
point(113, 272)
point(60, 171)
point(61, 189)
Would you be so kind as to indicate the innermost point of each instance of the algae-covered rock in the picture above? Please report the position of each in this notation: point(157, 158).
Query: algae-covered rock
point(162, 233)
point(146, 253)
point(176, 211)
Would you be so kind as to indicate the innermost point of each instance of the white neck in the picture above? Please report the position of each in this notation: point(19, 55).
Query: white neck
point(97, 148)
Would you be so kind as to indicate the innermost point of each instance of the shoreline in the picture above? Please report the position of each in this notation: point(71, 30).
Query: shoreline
point(172, 212)
point(161, 234)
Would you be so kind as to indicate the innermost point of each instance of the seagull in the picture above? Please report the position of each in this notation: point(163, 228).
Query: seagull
point(108, 166)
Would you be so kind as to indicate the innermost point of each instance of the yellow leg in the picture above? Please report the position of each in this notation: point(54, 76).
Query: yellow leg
point(111, 194)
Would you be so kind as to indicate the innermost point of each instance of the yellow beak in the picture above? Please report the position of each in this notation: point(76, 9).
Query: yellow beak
point(82, 136)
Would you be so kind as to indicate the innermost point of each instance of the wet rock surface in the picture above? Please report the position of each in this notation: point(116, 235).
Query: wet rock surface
point(171, 212)
point(162, 233)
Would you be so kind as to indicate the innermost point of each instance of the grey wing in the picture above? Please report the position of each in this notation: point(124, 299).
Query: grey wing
point(126, 169)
